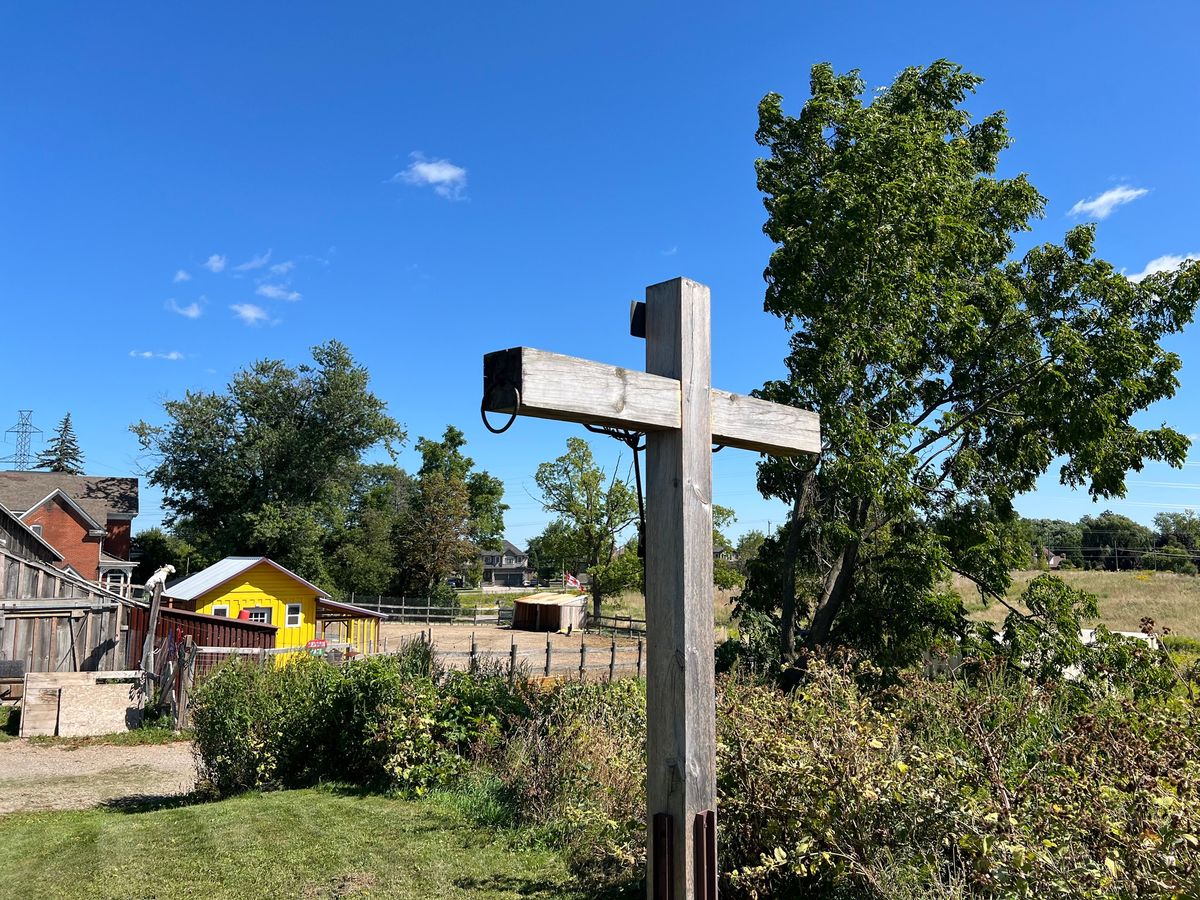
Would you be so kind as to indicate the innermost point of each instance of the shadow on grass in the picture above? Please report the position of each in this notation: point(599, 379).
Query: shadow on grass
point(526, 887)
point(144, 803)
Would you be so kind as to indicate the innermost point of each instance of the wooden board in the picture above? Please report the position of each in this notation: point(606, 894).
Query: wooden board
point(39, 712)
point(752, 424)
point(553, 386)
point(85, 710)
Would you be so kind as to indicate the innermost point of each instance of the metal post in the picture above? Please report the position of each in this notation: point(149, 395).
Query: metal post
point(548, 652)
point(612, 659)
point(639, 659)
point(512, 660)
point(582, 658)
point(472, 661)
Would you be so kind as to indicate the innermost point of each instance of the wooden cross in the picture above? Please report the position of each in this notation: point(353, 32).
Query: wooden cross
point(683, 416)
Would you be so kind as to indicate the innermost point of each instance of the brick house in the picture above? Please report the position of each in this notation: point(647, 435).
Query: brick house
point(86, 518)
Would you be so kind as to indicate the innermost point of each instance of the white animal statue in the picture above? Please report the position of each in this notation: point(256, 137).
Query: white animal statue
point(159, 577)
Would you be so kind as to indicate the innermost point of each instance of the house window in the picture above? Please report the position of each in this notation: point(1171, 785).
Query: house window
point(293, 616)
point(36, 529)
point(222, 611)
point(260, 614)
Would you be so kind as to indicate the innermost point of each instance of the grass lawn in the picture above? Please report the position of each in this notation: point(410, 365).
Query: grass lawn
point(311, 844)
point(1124, 598)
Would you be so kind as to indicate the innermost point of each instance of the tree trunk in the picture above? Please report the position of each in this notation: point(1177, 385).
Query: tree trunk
point(791, 554)
point(787, 624)
point(836, 588)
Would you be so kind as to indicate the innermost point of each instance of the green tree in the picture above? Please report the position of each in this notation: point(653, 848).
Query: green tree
point(593, 509)
point(948, 374)
point(725, 571)
point(154, 548)
point(268, 465)
point(1182, 528)
point(365, 556)
point(62, 453)
point(1058, 536)
point(435, 532)
point(1112, 541)
point(485, 492)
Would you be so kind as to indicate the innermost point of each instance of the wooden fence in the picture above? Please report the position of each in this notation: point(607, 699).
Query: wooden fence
point(420, 611)
point(626, 625)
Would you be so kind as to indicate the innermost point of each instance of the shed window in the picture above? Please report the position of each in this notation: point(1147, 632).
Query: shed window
point(293, 616)
point(222, 611)
point(260, 614)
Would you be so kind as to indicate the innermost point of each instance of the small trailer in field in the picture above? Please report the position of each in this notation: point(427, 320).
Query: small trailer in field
point(549, 612)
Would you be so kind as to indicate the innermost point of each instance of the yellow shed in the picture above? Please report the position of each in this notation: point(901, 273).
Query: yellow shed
point(261, 590)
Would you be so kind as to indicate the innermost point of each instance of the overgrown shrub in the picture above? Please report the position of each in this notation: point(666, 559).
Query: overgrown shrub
point(386, 722)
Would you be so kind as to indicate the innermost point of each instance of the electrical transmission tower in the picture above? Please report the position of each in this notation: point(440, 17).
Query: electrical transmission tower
point(22, 458)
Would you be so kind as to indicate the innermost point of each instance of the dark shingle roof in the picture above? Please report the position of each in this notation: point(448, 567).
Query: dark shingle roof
point(97, 494)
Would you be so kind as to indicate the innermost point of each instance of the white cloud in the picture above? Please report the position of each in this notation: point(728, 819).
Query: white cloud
point(191, 311)
point(1102, 206)
point(670, 252)
point(215, 263)
point(173, 355)
point(277, 292)
point(181, 275)
point(255, 262)
point(282, 268)
point(1166, 263)
point(446, 179)
point(249, 313)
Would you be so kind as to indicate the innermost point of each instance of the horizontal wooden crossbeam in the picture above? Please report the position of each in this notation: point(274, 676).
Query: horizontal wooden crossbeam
point(567, 389)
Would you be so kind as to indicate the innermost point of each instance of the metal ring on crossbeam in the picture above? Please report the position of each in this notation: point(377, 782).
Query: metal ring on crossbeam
point(507, 425)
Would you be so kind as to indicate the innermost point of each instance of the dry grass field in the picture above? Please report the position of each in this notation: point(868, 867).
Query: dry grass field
point(1125, 598)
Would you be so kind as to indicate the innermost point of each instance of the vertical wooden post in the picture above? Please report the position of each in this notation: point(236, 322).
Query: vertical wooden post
point(187, 661)
point(639, 658)
point(680, 694)
point(582, 657)
point(151, 627)
point(612, 658)
point(512, 660)
point(472, 660)
point(549, 650)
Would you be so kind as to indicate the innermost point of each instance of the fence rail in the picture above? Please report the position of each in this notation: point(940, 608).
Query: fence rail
point(626, 625)
point(419, 610)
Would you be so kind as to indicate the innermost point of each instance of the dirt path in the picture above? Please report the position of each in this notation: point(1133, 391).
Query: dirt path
point(36, 777)
point(453, 643)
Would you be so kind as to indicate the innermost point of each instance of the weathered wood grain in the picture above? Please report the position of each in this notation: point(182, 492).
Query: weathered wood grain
point(566, 389)
point(681, 775)
point(752, 424)
point(39, 711)
point(85, 710)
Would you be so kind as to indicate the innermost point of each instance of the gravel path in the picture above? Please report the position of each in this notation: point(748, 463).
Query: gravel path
point(34, 777)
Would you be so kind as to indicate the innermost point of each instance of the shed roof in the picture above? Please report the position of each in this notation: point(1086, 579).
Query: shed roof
point(350, 608)
point(550, 599)
point(99, 495)
point(226, 570)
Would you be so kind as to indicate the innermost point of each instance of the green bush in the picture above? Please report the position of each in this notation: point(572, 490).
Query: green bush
point(386, 722)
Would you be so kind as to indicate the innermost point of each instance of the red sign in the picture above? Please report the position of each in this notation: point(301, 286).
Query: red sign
point(317, 644)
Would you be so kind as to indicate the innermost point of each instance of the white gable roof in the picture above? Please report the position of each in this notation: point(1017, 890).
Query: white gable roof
point(226, 570)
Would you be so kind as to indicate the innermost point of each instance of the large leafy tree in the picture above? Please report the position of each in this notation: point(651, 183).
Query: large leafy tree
point(949, 374)
point(62, 453)
point(435, 533)
point(268, 466)
point(593, 508)
point(485, 492)
point(1113, 541)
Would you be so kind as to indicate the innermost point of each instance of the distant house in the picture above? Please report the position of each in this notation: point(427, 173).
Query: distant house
point(86, 518)
point(22, 542)
point(261, 590)
point(508, 566)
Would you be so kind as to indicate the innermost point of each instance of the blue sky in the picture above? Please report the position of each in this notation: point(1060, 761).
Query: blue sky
point(184, 189)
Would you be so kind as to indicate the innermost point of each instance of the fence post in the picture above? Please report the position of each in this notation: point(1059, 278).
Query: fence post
point(512, 660)
point(474, 615)
point(188, 668)
point(402, 618)
point(612, 658)
point(472, 662)
point(639, 661)
point(428, 602)
point(582, 658)
point(549, 650)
